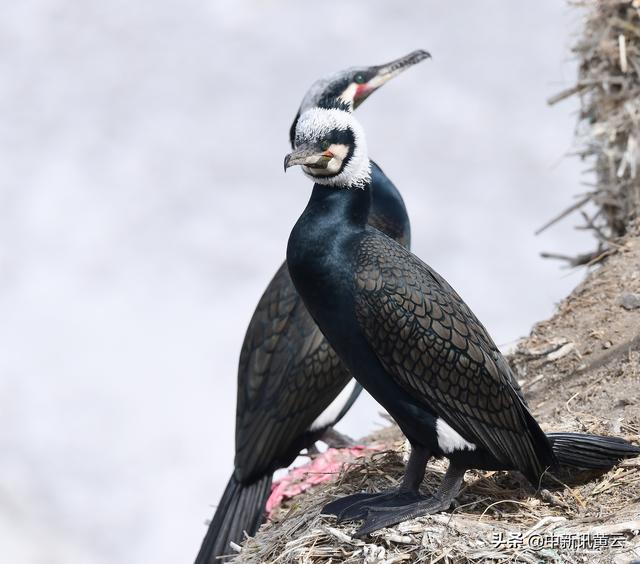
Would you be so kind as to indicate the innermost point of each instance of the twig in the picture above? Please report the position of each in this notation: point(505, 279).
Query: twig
point(622, 47)
point(564, 94)
point(578, 260)
point(565, 213)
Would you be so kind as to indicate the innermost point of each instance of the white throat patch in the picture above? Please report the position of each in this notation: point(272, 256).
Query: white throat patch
point(315, 124)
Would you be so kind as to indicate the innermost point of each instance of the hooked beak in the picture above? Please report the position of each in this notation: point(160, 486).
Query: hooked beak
point(384, 73)
point(307, 156)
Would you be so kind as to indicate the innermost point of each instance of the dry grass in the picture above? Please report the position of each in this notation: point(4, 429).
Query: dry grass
point(493, 507)
point(608, 85)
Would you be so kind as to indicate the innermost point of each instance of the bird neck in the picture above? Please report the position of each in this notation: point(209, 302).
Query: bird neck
point(341, 206)
point(388, 212)
point(321, 247)
point(321, 236)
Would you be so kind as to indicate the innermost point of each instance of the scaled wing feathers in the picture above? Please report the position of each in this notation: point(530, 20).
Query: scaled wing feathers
point(288, 375)
point(431, 343)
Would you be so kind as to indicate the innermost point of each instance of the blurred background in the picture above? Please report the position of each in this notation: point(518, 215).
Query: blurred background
point(143, 209)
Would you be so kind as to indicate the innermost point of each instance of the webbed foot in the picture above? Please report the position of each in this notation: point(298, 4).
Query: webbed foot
point(338, 506)
point(384, 516)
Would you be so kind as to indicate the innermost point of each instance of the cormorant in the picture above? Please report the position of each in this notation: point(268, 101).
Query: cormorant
point(292, 388)
point(410, 340)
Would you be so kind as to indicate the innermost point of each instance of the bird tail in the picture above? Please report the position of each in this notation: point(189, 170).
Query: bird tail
point(240, 509)
point(590, 451)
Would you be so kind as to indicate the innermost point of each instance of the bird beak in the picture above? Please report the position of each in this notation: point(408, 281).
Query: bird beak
point(384, 73)
point(307, 156)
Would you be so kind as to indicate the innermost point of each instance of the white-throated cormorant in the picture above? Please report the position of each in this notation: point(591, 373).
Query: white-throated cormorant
point(410, 340)
point(292, 387)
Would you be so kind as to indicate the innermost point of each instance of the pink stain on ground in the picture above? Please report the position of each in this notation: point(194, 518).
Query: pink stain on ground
point(322, 468)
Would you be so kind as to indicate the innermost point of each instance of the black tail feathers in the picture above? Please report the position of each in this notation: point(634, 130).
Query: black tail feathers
point(590, 451)
point(240, 509)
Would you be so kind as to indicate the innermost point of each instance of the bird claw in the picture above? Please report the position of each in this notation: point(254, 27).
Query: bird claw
point(338, 506)
point(358, 505)
point(391, 507)
point(359, 509)
point(379, 517)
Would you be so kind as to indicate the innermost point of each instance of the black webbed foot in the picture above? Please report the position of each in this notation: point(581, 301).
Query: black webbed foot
point(391, 507)
point(339, 505)
point(356, 506)
point(393, 499)
point(380, 517)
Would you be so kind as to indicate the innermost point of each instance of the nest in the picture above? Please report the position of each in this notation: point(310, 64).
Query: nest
point(608, 132)
point(498, 517)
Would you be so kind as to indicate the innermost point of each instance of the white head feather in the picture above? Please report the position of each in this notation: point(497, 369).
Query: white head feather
point(315, 124)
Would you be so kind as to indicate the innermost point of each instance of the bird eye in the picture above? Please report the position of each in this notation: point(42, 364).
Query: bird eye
point(358, 79)
point(325, 145)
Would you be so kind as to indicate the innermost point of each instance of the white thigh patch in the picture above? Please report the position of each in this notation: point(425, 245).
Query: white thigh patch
point(449, 440)
point(328, 416)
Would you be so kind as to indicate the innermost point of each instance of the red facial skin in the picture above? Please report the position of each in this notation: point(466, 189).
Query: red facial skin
point(362, 91)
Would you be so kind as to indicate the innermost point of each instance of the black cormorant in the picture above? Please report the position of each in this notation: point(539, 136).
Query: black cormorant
point(292, 388)
point(410, 340)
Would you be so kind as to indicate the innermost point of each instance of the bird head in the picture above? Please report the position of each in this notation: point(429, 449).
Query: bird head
point(353, 86)
point(330, 147)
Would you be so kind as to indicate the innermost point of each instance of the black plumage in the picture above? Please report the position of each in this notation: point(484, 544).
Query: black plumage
point(288, 373)
point(434, 348)
point(407, 336)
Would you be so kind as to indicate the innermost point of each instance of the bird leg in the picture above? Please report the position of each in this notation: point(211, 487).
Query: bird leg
point(335, 439)
point(313, 451)
point(378, 517)
point(356, 506)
